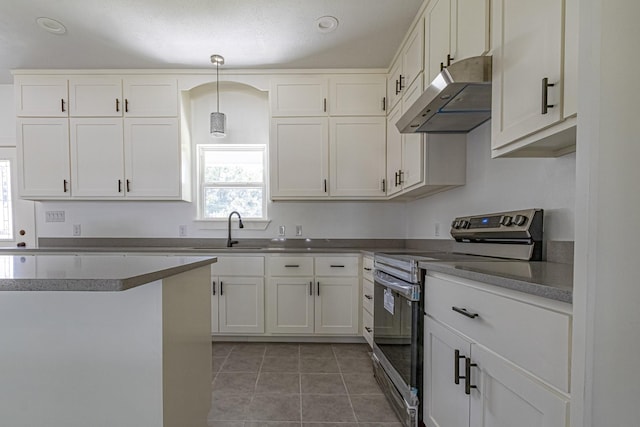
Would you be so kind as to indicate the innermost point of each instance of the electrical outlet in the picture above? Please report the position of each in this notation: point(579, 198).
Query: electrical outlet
point(281, 230)
point(77, 230)
point(182, 230)
point(54, 216)
point(436, 229)
point(298, 230)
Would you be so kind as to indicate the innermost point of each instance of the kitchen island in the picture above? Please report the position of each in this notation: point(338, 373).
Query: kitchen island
point(104, 340)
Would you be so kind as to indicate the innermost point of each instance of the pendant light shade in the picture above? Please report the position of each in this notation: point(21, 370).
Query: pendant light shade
point(218, 124)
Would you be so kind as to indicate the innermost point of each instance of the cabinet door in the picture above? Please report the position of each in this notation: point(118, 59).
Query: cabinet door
point(152, 158)
point(290, 305)
point(299, 97)
point(469, 28)
point(510, 397)
point(95, 97)
point(215, 324)
point(241, 304)
point(43, 158)
point(41, 97)
point(97, 163)
point(413, 55)
point(438, 37)
point(357, 149)
point(150, 96)
point(527, 42)
point(336, 305)
point(394, 92)
point(299, 157)
point(360, 95)
point(394, 152)
point(446, 404)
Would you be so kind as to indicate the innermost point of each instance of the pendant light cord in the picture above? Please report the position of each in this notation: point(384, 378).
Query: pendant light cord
point(218, 87)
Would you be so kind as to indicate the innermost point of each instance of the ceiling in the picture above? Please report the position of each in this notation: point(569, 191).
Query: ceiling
point(177, 34)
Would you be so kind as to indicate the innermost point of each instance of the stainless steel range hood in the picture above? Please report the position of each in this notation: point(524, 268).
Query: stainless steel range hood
point(457, 100)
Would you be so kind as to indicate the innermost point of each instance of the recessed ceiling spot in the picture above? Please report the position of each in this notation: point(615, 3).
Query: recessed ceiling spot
point(326, 24)
point(51, 25)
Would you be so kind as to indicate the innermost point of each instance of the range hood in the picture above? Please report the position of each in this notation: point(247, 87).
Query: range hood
point(457, 100)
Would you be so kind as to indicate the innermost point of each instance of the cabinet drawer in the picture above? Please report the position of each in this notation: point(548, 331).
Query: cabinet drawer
point(529, 335)
point(367, 296)
point(291, 266)
point(367, 268)
point(337, 266)
point(367, 327)
point(238, 266)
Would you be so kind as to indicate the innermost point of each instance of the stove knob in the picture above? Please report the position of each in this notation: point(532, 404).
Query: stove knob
point(505, 220)
point(520, 220)
point(464, 223)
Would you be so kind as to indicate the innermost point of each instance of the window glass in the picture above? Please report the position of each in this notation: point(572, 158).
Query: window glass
point(6, 220)
point(232, 177)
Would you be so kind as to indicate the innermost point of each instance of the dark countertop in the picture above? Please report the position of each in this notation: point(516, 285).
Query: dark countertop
point(104, 272)
point(546, 279)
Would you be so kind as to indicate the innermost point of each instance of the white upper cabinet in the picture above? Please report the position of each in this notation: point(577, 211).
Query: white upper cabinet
point(150, 96)
point(455, 30)
point(299, 151)
point(152, 159)
point(357, 156)
point(528, 116)
point(41, 96)
point(413, 56)
point(43, 158)
point(95, 97)
point(359, 95)
point(97, 158)
point(299, 96)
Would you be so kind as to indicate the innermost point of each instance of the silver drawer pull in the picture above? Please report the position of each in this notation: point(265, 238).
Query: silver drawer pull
point(292, 266)
point(337, 266)
point(464, 312)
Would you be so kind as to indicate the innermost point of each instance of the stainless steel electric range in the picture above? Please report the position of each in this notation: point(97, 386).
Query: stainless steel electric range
point(399, 304)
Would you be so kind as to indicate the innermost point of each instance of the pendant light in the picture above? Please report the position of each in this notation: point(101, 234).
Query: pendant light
point(218, 120)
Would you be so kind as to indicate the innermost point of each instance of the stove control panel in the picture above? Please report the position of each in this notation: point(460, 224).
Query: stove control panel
point(524, 224)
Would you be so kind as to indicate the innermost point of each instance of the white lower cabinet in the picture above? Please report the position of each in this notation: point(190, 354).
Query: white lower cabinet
point(318, 295)
point(469, 379)
point(237, 295)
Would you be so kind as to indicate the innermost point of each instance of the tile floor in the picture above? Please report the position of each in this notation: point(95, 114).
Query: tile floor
point(296, 385)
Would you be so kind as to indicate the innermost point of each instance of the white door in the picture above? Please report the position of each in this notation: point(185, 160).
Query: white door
point(299, 157)
point(241, 304)
point(215, 291)
point(470, 28)
point(357, 95)
point(95, 97)
point(357, 156)
point(298, 97)
point(41, 96)
point(527, 48)
point(97, 162)
point(438, 37)
point(152, 158)
point(43, 156)
point(336, 305)
point(150, 96)
point(290, 305)
point(17, 216)
point(412, 55)
point(508, 396)
point(446, 404)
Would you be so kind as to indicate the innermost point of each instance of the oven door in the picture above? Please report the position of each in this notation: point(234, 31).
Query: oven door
point(397, 343)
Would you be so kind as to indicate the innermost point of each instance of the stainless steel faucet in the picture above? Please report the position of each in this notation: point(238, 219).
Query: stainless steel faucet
point(230, 242)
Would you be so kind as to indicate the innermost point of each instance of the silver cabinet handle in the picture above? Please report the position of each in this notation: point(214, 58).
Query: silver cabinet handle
point(64, 185)
point(119, 186)
point(464, 312)
point(456, 366)
point(324, 105)
point(337, 266)
point(128, 186)
point(384, 185)
point(449, 59)
point(221, 293)
point(384, 103)
point(545, 95)
point(368, 329)
point(318, 288)
point(62, 105)
point(292, 265)
point(213, 287)
point(367, 268)
point(126, 105)
point(369, 297)
point(117, 105)
point(311, 288)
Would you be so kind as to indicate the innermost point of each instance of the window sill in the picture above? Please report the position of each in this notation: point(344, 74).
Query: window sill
point(221, 224)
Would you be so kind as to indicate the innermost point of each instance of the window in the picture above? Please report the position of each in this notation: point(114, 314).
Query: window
point(232, 178)
point(6, 220)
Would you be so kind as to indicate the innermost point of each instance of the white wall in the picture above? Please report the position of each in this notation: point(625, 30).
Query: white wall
point(7, 116)
point(494, 185)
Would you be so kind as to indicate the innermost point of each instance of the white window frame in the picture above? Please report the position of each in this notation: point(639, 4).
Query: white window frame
point(11, 208)
point(218, 223)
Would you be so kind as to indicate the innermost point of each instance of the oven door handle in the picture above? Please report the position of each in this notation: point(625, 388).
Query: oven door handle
point(407, 290)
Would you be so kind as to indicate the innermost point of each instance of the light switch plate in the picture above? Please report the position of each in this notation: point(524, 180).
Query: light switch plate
point(281, 230)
